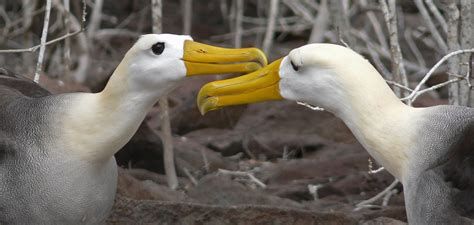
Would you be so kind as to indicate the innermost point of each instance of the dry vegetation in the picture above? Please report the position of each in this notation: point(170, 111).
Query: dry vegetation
point(270, 163)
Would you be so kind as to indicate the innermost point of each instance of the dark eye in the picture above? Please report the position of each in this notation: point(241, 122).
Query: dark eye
point(295, 67)
point(158, 48)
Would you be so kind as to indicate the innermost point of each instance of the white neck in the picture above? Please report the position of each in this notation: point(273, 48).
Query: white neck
point(379, 120)
point(98, 125)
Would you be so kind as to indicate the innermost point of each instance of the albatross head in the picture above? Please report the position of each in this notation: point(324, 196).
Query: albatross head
point(157, 62)
point(324, 75)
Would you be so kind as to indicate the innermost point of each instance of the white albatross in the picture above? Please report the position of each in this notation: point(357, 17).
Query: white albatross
point(430, 150)
point(57, 161)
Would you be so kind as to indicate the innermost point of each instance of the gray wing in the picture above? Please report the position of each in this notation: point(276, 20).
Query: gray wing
point(15, 90)
point(440, 189)
point(20, 84)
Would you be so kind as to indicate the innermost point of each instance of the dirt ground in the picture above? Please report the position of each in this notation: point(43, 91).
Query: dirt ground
point(286, 146)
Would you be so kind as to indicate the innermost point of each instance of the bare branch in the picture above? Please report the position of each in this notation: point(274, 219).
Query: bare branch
point(44, 36)
point(245, 174)
point(414, 49)
point(167, 138)
point(465, 35)
point(398, 69)
point(95, 19)
point(267, 41)
point(426, 17)
point(437, 15)
point(434, 87)
point(431, 71)
point(187, 6)
point(67, 42)
point(452, 14)
point(239, 13)
point(190, 176)
point(36, 47)
point(370, 201)
point(320, 24)
point(376, 26)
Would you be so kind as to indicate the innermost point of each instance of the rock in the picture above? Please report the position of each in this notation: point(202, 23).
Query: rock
point(129, 211)
point(130, 187)
point(223, 191)
point(193, 156)
point(384, 221)
point(225, 141)
point(393, 212)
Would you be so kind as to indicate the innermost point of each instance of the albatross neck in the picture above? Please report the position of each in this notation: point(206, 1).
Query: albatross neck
point(100, 124)
point(379, 120)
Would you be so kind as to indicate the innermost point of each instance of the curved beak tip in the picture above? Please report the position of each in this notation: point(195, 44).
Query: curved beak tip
point(207, 104)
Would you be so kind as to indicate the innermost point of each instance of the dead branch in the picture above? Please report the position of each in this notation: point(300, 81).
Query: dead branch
point(465, 35)
point(437, 15)
point(387, 197)
point(67, 42)
point(243, 174)
point(376, 26)
point(369, 202)
point(36, 47)
point(340, 21)
point(313, 190)
point(44, 36)
point(452, 14)
point(267, 41)
point(320, 23)
point(413, 47)
point(96, 18)
point(429, 22)
point(398, 69)
point(190, 176)
point(239, 13)
point(167, 138)
point(187, 6)
point(431, 71)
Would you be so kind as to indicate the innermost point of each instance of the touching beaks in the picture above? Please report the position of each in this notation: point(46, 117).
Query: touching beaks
point(202, 59)
point(257, 86)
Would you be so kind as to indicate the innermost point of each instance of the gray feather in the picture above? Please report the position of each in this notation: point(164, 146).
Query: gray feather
point(440, 187)
point(38, 185)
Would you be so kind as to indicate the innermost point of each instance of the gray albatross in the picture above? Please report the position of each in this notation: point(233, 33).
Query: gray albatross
point(430, 150)
point(56, 151)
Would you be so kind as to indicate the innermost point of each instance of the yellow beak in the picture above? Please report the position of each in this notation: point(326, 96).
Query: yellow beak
point(202, 59)
point(257, 86)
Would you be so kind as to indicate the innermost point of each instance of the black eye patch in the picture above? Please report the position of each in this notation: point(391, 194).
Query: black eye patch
point(295, 67)
point(158, 48)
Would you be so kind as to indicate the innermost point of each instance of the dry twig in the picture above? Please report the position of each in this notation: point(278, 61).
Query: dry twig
point(429, 22)
point(431, 71)
point(267, 41)
point(168, 155)
point(398, 69)
point(44, 36)
point(369, 202)
point(244, 174)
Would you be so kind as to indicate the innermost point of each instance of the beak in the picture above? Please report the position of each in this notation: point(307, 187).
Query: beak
point(257, 86)
point(202, 59)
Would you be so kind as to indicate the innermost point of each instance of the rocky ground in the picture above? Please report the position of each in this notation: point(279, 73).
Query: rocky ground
point(286, 146)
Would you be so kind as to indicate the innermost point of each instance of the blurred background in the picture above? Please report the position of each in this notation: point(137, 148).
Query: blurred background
point(279, 155)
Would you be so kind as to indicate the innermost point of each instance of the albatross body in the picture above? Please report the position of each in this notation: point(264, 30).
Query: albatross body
point(430, 150)
point(56, 151)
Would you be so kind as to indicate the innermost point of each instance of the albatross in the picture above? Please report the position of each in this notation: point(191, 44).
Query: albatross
point(57, 161)
point(430, 150)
